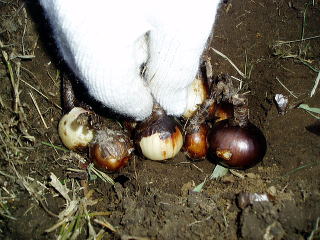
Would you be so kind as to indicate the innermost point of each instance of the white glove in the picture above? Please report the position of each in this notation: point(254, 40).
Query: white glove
point(106, 42)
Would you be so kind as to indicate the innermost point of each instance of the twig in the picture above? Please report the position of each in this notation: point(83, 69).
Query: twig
point(37, 107)
point(199, 221)
point(104, 177)
point(286, 88)
point(18, 109)
point(46, 209)
point(105, 224)
point(301, 167)
point(235, 78)
point(11, 76)
point(24, 30)
point(192, 165)
point(56, 77)
point(316, 83)
point(38, 91)
point(52, 144)
point(35, 45)
point(315, 230)
point(228, 59)
point(6, 175)
point(297, 40)
point(55, 147)
point(307, 64)
point(304, 21)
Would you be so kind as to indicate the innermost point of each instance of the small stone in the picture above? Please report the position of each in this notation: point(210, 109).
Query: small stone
point(281, 103)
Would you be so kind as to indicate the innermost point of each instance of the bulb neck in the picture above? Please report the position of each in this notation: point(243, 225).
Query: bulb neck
point(157, 111)
point(241, 110)
point(203, 113)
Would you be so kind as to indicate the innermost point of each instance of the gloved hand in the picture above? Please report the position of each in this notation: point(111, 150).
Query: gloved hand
point(107, 43)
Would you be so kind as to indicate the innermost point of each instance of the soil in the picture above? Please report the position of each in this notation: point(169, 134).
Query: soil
point(152, 200)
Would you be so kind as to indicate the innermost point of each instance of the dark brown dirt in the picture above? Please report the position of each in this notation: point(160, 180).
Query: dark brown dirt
point(152, 199)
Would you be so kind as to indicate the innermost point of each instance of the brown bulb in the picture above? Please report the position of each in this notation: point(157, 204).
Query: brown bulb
point(195, 141)
point(236, 142)
point(236, 147)
point(110, 149)
point(196, 130)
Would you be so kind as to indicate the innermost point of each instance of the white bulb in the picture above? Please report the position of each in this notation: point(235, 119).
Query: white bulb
point(197, 93)
point(156, 148)
point(74, 131)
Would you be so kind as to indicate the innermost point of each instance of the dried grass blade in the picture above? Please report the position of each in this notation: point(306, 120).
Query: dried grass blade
point(316, 83)
point(229, 60)
point(38, 110)
point(106, 224)
point(63, 190)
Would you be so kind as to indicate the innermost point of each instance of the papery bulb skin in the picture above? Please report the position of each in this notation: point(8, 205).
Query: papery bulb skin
point(130, 125)
point(159, 137)
point(223, 111)
point(74, 129)
point(110, 149)
point(236, 147)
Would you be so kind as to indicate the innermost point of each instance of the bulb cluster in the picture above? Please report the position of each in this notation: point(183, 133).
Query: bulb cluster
point(217, 127)
point(232, 140)
point(109, 149)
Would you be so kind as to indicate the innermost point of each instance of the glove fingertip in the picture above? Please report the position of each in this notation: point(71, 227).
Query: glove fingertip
point(174, 103)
